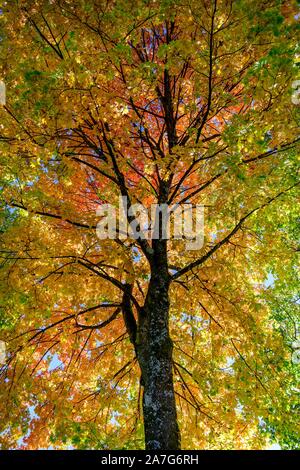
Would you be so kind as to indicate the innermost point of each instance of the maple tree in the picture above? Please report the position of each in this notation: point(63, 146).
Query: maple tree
point(123, 343)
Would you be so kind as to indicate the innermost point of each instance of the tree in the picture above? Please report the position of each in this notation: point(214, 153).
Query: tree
point(168, 102)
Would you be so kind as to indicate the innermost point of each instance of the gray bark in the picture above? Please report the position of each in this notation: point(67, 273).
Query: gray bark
point(154, 351)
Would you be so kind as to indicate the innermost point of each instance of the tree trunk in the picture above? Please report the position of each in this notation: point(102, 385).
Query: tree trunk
point(154, 350)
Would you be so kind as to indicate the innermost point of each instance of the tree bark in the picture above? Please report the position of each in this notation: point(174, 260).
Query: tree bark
point(154, 351)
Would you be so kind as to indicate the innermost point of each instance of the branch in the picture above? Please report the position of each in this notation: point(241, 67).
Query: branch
point(250, 368)
point(282, 148)
point(40, 331)
point(53, 216)
point(101, 273)
point(143, 243)
point(276, 150)
point(210, 77)
point(55, 48)
point(98, 326)
point(218, 245)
